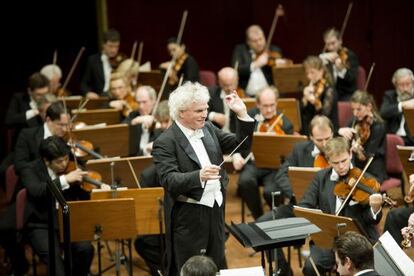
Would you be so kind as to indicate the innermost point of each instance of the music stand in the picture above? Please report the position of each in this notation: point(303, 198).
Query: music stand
point(109, 116)
point(299, 178)
point(406, 157)
point(72, 102)
point(270, 150)
point(98, 220)
point(266, 236)
point(152, 78)
point(330, 225)
point(289, 78)
point(409, 118)
point(122, 172)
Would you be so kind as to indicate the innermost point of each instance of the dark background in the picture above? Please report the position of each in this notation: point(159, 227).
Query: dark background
point(378, 31)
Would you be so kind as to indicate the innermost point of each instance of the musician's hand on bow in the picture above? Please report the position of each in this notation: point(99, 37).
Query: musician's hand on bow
point(236, 104)
point(329, 56)
point(347, 132)
point(145, 120)
point(238, 161)
point(375, 201)
point(261, 60)
point(210, 172)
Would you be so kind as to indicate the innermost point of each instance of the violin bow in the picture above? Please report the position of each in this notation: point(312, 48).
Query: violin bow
point(133, 174)
point(170, 65)
point(139, 57)
point(278, 12)
point(354, 186)
point(369, 76)
point(345, 22)
point(269, 129)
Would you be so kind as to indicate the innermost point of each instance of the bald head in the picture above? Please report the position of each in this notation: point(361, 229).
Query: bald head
point(255, 38)
point(228, 79)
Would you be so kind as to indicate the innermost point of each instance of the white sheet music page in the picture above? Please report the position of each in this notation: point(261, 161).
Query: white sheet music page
point(402, 261)
point(248, 271)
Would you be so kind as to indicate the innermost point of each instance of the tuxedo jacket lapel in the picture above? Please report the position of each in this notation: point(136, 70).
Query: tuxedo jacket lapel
point(185, 144)
point(211, 148)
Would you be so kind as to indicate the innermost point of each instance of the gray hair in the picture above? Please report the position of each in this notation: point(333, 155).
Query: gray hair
point(400, 73)
point(50, 71)
point(151, 92)
point(185, 95)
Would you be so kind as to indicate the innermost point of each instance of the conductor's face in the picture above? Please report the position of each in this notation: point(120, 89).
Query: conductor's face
point(194, 117)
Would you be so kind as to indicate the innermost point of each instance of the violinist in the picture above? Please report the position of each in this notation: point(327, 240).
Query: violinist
point(52, 161)
point(219, 114)
point(129, 68)
point(342, 64)
point(97, 75)
point(54, 75)
point(141, 121)
point(254, 70)
point(396, 100)
point(250, 175)
point(320, 194)
point(319, 97)
point(185, 65)
point(122, 98)
point(366, 133)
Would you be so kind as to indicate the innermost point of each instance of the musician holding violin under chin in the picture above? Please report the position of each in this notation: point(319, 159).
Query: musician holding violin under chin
point(342, 63)
point(270, 121)
point(50, 167)
point(367, 135)
point(255, 71)
point(319, 97)
point(121, 95)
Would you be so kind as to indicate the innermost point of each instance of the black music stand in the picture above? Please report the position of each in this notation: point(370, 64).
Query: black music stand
point(269, 235)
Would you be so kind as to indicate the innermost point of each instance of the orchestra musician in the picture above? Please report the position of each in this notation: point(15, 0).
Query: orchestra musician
point(121, 94)
point(129, 68)
point(319, 97)
point(342, 64)
point(185, 65)
point(366, 132)
point(254, 70)
point(54, 75)
point(219, 114)
point(251, 176)
point(96, 78)
point(395, 101)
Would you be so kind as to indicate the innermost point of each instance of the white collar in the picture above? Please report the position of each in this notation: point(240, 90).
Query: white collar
point(334, 174)
point(46, 131)
point(190, 133)
point(363, 271)
point(315, 151)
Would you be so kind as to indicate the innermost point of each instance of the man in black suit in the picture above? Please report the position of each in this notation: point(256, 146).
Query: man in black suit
point(142, 120)
point(250, 175)
point(98, 70)
point(187, 157)
point(342, 63)
point(28, 142)
point(354, 255)
point(320, 194)
point(252, 59)
point(394, 102)
point(219, 114)
point(306, 154)
point(50, 167)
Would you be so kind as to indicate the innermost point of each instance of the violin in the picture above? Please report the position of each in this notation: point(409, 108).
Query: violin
point(363, 129)
point(91, 181)
point(318, 89)
point(273, 124)
point(116, 60)
point(178, 64)
point(130, 105)
point(343, 56)
point(320, 161)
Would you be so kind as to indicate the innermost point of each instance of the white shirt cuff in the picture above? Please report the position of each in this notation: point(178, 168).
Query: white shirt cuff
point(400, 109)
point(374, 215)
point(341, 73)
point(63, 182)
point(31, 113)
point(203, 183)
point(211, 115)
point(246, 118)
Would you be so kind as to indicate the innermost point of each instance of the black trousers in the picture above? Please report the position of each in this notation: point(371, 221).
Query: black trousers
point(250, 179)
point(149, 248)
point(198, 230)
point(396, 220)
point(82, 252)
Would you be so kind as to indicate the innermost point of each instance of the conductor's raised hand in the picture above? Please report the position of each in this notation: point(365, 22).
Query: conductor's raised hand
point(236, 104)
point(210, 172)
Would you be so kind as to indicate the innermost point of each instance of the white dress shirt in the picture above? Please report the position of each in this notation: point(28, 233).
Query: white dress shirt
point(107, 69)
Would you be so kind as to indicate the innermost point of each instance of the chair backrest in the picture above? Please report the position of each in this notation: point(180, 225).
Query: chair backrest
point(361, 78)
point(208, 78)
point(393, 162)
point(20, 207)
point(11, 182)
point(344, 113)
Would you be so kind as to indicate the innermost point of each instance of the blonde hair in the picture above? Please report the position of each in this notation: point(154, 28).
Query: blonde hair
point(336, 146)
point(364, 98)
point(128, 67)
point(315, 62)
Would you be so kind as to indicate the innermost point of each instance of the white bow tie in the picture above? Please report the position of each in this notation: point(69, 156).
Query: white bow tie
point(197, 134)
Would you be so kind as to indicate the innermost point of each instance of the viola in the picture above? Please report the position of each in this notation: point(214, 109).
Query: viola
point(273, 124)
point(91, 181)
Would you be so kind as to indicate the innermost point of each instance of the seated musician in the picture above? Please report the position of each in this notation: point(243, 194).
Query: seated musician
point(184, 66)
point(219, 114)
point(306, 154)
point(319, 97)
point(342, 63)
point(27, 145)
point(50, 167)
point(96, 78)
point(129, 68)
point(120, 92)
point(366, 132)
point(395, 101)
point(250, 176)
point(354, 255)
point(142, 119)
point(254, 69)
point(54, 74)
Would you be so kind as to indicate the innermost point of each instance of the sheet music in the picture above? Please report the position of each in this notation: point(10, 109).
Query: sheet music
point(307, 209)
point(403, 262)
point(248, 271)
